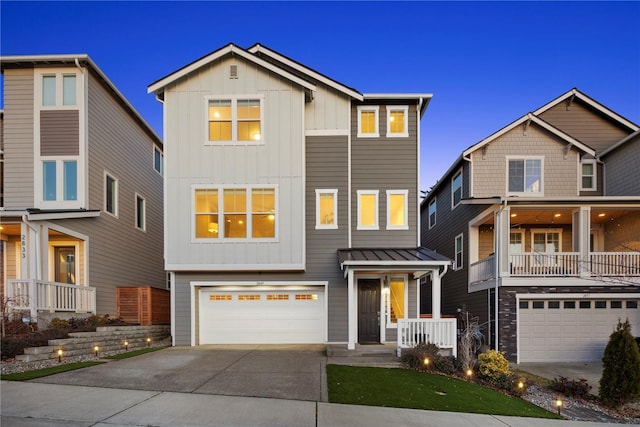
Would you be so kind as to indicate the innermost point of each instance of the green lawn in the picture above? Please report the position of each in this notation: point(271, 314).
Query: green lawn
point(403, 388)
point(133, 353)
point(39, 373)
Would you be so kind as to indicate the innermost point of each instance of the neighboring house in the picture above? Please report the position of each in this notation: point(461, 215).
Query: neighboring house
point(291, 209)
point(81, 210)
point(551, 203)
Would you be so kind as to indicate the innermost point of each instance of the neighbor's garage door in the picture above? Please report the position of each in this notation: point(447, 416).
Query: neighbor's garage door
point(262, 317)
point(572, 330)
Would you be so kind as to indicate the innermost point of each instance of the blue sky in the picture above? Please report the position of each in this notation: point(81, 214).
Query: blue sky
point(486, 63)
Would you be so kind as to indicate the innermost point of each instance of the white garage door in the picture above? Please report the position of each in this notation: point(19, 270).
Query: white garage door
point(262, 316)
point(571, 330)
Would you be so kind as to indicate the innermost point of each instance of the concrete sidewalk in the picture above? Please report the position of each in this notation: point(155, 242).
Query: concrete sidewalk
point(32, 404)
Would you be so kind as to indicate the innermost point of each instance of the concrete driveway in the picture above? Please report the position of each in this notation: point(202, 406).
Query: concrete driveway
point(283, 372)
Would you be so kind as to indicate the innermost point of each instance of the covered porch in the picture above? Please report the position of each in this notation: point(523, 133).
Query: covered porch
point(384, 297)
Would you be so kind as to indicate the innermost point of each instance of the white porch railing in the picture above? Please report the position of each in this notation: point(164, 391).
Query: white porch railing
point(441, 332)
point(39, 295)
point(544, 264)
point(482, 270)
point(615, 263)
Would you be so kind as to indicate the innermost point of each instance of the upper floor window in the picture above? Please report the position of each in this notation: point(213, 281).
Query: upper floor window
point(110, 194)
point(235, 119)
point(432, 212)
point(158, 160)
point(327, 208)
point(367, 209)
point(397, 121)
point(456, 189)
point(525, 176)
point(235, 213)
point(588, 177)
point(368, 121)
point(397, 210)
point(140, 212)
point(59, 89)
point(457, 263)
point(59, 180)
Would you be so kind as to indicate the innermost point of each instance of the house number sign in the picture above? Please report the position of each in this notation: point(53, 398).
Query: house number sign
point(23, 246)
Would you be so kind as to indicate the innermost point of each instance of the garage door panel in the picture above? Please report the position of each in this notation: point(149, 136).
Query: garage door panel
point(262, 317)
point(570, 334)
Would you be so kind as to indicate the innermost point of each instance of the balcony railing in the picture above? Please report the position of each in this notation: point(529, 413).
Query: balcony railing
point(441, 332)
point(615, 263)
point(482, 270)
point(544, 264)
point(39, 295)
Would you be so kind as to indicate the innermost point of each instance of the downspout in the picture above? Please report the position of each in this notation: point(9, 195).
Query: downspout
point(503, 205)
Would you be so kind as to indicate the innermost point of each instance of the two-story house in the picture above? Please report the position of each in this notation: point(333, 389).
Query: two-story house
point(291, 210)
point(82, 187)
point(542, 219)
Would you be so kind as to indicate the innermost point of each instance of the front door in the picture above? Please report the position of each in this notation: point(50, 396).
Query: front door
point(368, 311)
point(65, 264)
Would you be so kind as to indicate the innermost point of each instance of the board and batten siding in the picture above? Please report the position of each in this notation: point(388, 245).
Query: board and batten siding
point(119, 253)
point(18, 138)
point(584, 124)
point(329, 110)
point(621, 171)
point(385, 164)
point(279, 162)
point(560, 175)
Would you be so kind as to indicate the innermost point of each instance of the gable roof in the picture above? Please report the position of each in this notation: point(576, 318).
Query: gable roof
point(575, 93)
point(620, 143)
point(158, 86)
point(76, 60)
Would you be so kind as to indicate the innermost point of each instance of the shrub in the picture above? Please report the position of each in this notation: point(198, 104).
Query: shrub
point(574, 388)
point(11, 346)
point(494, 368)
point(413, 358)
point(620, 382)
point(447, 364)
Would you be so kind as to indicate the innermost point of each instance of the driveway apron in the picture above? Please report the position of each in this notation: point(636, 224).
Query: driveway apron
point(273, 371)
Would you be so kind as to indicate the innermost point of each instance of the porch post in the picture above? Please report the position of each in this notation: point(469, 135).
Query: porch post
point(352, 313)
point(584, 230)
point(435, 294)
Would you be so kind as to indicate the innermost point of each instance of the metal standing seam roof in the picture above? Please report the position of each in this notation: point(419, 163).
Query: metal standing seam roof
point(387, 256)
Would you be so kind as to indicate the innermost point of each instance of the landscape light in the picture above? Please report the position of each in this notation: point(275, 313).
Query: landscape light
point(59, 355)
point(426, 361)
point(95, 349)
point(126, 345)
point(559, 405)
point(148, 342)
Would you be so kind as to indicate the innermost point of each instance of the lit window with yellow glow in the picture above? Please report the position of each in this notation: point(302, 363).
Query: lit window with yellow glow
point(206, 208)
point(368, 121)
point(235, 212)
point(397, 121)
point(394, 301)
point(326, 209)
point(263, 213)
point(397, 210)
point(367, 210)
point(234, 120)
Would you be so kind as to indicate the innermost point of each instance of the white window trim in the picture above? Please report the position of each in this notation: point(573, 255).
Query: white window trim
point(376, 110)
point(144, 213)
point(153, 160)
point(58, 74)
point(453, 204)
point(522, 239)
point(117, 190)
point(376, 226)
point(405, 110)
point(387, 288)
point(59, 203)
point(525, 193)
point(405, 226)
point(53, 244)
point(334, 193)
point(234, 119)
point(457, 267)
point(594, 187)
point(546, 231)
point(249, 213)
point(434, 201)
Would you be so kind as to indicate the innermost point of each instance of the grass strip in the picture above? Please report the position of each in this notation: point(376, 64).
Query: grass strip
point(45, 372)
point(403, 388)
point(133, 353)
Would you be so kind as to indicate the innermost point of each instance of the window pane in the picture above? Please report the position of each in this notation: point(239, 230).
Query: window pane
point(220, 109)
point(220, 120)
point(327, 209)
point(49, 180)
point(70, 172)
point(397, 209)
point(139, 212)
point(207, 201)
point(367, 122)
point(48, 90)
point(157, 160)
point(516, 175)
point(68, 90)
point(264, 225)
point(235, 225)
point(249, 131)
point(249, 109)
point(587, 182)
point(111, 195)
point(396, 300)
point(432, 213)
point(263, 208)
point(235, 208)
point(368, 209)
point(396, 122)
point(533, 170)
point(263, 200)
point(220, 131)
point(207, 226)
point(235, 200)
point(457, 189)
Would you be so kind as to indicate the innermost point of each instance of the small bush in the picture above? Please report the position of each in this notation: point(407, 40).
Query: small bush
point(413, 358)
point(574, 388)
point(447, 364)
point(11, 346)
point(494, 368)
point(17, 327)
point(620, 382)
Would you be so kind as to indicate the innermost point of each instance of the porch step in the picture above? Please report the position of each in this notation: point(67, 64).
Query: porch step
point(83, 343)
point(381, 350)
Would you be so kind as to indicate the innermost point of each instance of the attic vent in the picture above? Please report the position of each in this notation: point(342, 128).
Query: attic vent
point(233, 71)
